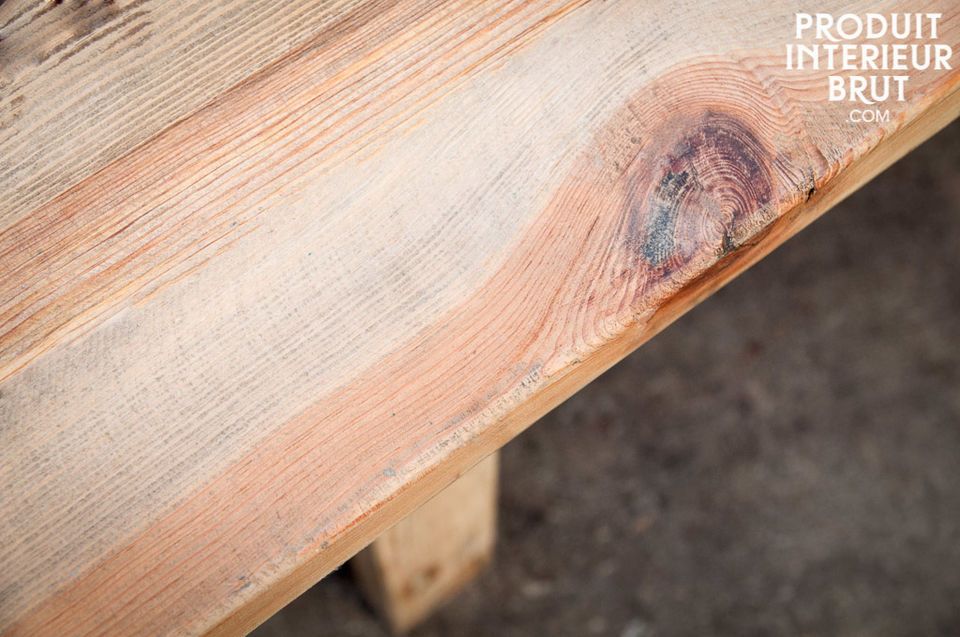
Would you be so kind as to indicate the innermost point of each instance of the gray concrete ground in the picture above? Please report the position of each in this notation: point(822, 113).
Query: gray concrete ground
point(784, 460)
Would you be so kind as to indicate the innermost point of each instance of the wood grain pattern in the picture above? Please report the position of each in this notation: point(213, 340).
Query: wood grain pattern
point(107, 75)
point(237, 344)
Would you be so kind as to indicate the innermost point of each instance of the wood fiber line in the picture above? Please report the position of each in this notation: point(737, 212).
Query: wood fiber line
point(234, 355)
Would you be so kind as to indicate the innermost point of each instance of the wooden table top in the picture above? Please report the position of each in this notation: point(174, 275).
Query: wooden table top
point(272, 274)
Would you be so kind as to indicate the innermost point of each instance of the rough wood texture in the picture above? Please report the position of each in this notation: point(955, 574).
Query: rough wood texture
point(84, 81)
point(240, 341)
point(431, 554)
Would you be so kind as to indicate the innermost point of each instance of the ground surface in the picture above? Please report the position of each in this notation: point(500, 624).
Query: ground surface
point(784, 460)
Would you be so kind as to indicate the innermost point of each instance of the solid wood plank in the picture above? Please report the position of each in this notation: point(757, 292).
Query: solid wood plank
point(238, 350)
point(427, 557)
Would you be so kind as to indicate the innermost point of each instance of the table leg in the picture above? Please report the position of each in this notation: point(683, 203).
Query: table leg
point(424, 559)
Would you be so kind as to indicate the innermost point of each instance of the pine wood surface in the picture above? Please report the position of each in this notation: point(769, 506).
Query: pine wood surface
point(272, 276)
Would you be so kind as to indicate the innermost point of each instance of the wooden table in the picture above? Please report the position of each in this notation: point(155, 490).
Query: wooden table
point(273, 274)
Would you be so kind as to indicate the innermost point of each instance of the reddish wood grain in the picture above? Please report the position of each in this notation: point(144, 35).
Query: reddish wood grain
point(238, 351)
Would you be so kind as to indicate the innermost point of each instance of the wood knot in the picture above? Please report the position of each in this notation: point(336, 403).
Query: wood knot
point(696, 192)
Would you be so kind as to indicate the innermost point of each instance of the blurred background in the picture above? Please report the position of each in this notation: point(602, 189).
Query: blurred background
point(783, 460)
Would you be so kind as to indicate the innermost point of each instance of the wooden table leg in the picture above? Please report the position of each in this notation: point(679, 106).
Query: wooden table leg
point(424, 559)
